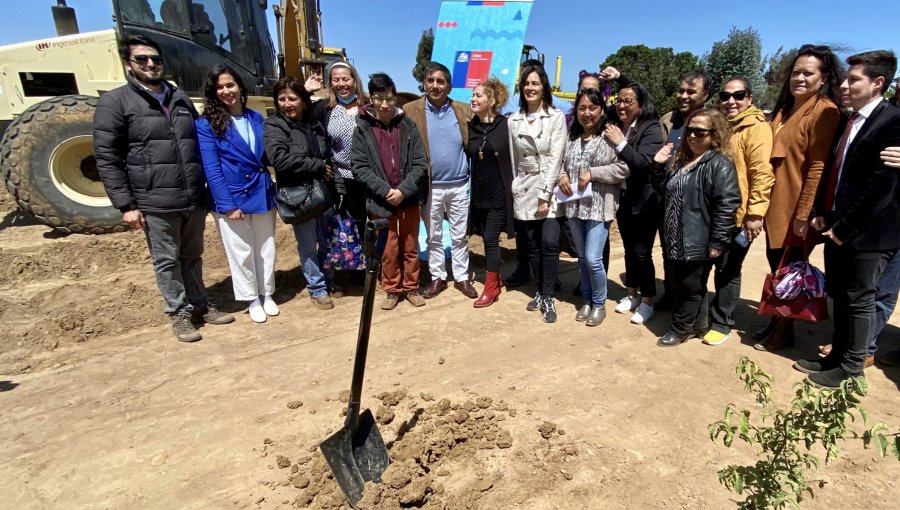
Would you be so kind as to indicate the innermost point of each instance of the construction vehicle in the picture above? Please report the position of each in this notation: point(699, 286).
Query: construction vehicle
point(49, 89)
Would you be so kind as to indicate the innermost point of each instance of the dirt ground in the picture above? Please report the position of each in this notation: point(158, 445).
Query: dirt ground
point(101, 408)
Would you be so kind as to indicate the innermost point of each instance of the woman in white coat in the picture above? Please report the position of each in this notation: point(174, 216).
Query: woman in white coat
point(537, 141)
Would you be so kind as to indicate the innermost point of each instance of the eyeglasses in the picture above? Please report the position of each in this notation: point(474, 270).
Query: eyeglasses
point(143, 59)
point(377, 100)
point(698, 132)
point(738, 95)
point(625, 102)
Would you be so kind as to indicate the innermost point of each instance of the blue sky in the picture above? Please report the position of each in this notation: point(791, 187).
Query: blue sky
point(382, 36)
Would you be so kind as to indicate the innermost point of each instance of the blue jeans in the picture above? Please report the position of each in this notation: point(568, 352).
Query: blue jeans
point(885, 298)
point(590, 238)
point(310, 237)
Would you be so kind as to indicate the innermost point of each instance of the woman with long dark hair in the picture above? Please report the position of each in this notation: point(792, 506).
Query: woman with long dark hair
point(805, 119)
point(538, 137)
point(637, 136)
point(243, 199)
point(590, 159)
point(700, 196)
point(491, 169)
point(297, 149)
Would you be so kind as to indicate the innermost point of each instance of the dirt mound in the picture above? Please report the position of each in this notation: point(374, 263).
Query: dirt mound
point(444, 455)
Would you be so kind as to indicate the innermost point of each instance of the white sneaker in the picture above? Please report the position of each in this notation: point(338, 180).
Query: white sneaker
point(643, 314)
point(628, 304)
point(270, 307)
point(257, 314)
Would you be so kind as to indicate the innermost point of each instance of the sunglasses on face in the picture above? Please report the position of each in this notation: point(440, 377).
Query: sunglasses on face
point(698, 132)
point(625, 102)
point(813, 48)
point(738, 95)
point(143, 59)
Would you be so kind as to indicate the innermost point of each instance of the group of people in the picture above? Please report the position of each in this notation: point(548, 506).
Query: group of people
point(708, 180)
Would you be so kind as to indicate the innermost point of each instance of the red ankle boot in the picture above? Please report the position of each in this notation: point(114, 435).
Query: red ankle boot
point(491, 290)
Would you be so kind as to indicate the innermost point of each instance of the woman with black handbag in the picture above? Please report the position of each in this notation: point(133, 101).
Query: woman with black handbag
point(296, 147)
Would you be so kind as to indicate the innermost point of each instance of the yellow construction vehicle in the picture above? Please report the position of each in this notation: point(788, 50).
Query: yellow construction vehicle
point(49, 89)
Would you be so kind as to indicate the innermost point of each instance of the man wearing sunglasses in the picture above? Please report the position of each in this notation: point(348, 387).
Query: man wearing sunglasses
point(751, 148)
point(149, 161)
point(443, 126)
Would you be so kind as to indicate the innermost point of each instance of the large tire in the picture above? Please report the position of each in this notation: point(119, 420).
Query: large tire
point(47, 161)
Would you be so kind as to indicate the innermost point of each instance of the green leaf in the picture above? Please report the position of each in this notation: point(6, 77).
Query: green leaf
point(881, 443)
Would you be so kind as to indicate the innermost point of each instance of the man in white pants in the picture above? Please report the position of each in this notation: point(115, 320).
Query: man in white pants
point(443, 124)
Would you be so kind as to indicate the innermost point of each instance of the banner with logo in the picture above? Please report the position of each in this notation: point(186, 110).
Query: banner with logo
point(480, 39)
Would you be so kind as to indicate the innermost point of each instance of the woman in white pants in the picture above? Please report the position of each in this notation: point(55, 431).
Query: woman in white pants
point(243, 197)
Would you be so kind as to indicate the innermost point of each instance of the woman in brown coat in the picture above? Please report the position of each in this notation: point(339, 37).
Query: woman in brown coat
point(806, 117)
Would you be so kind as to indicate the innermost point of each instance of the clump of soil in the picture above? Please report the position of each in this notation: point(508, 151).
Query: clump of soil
point(438, 457)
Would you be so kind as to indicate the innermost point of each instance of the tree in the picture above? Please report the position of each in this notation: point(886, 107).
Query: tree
point(423, 56)
point(740, 54)
point(659, 69)
point(778, 69)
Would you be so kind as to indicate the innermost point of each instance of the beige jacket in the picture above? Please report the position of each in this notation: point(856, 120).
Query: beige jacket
point(537, 159)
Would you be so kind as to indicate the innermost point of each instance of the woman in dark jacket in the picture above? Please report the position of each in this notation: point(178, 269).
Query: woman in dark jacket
point(296, 148)
point(491, 167)
point(700, 196)
point(636, 134)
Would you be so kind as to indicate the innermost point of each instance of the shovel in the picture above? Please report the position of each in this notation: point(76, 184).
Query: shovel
point(356, 453)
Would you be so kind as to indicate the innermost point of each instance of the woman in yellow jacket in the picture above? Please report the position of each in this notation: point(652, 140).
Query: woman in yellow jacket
point(750, 148)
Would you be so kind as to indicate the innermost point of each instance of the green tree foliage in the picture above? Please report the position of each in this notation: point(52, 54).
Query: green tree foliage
point(786, 437)
point(659, 69)
point(740, 54)
point(778, 69)
point(423, 56)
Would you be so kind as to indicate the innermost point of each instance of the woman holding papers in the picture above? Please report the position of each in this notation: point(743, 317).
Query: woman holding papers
point(594, 172)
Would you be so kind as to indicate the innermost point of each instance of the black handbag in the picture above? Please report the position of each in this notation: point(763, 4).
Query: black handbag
point(298, 204)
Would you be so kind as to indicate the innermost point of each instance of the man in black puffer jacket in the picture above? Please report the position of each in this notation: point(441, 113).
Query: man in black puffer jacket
point(149, 161)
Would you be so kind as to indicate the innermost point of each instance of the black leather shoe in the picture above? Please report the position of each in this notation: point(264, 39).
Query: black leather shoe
point(516, 279)
point(830, 379)
point(813, 366)
point(436, 287)
point(671, 340)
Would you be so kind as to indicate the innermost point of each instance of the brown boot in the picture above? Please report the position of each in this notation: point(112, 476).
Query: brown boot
point(782, 336)
point(491, 290)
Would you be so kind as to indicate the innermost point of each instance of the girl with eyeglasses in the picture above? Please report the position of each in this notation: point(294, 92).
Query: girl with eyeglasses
point(700, 196)
point(637, 136)
point(804, 122)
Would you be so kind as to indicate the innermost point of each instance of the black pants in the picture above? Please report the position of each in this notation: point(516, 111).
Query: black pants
point(690, 302)
point(638, 233)
point(727, 280)
point(354, 203)
point(773, 255)
point(490, 222)
point(540, 243)
point(851, 278)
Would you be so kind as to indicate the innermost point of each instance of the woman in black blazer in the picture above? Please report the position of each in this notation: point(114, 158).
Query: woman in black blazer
point(637, 136)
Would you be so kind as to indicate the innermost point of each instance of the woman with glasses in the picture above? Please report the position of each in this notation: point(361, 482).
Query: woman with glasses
point(700, 196)
point(492, 174)
point(297, 149)
point(751, 147)
point(805, 119)
point(230, 136)
point(591, 160)
point(538, 136)
point(636, 135)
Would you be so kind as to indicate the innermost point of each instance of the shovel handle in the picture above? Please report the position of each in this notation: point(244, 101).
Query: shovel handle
point(365, 320)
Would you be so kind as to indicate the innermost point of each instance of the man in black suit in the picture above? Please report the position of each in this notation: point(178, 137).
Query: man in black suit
point(857, 212)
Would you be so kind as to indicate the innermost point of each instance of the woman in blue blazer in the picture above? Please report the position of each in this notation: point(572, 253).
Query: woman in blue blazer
point(242, 194)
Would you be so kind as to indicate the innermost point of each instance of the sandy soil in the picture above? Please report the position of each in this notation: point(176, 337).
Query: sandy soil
point(491, 408)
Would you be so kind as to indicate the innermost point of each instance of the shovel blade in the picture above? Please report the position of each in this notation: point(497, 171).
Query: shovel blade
point(356, 457)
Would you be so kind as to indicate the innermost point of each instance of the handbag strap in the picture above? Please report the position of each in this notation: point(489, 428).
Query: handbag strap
point(789, 239)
